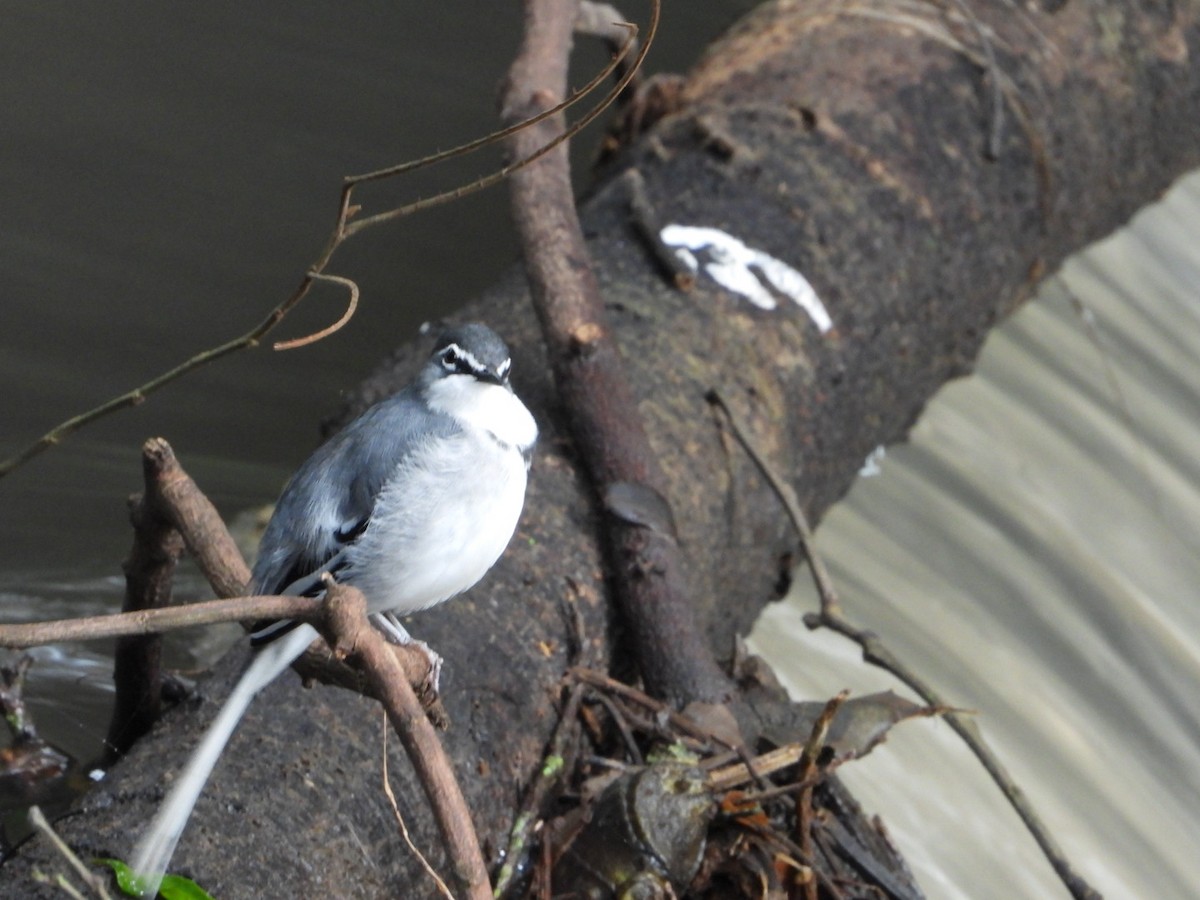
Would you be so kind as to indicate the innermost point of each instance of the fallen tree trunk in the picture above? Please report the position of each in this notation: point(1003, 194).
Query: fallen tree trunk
point(922, 169)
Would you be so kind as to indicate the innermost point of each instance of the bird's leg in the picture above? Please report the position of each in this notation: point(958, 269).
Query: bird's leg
point(397, 634)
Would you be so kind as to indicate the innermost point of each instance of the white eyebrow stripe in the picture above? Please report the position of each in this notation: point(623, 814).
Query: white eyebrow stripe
point(468, 356)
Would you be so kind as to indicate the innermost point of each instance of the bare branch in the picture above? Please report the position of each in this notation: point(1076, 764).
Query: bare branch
point(604, 21)
point(531, 155)
point(38, 820)
point(652, 582)
point(156, 621)
point(402, 825)
point(628, 31)
point(348, 630)
point(341, 231)
point(329, 329)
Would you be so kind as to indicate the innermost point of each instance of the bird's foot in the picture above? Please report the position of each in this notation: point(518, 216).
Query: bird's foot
point(397, 634)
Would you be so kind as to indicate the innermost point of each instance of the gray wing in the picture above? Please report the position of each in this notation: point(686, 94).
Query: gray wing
point(329, 501)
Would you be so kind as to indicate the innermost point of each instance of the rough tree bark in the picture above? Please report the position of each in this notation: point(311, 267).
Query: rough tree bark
point(923, 179)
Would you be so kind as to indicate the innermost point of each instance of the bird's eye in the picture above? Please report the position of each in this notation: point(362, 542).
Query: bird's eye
point(451, 359)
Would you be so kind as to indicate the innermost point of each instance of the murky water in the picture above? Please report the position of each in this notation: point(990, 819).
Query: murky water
point(173, 170)
point(1034, 552)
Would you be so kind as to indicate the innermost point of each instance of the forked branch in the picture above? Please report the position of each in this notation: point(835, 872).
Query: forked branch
point(343, 229)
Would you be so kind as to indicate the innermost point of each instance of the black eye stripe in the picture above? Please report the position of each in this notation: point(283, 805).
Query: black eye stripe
point(457, 361)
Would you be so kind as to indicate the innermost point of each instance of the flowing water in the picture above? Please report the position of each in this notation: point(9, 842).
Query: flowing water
point(167, 173)
point(1034, 552)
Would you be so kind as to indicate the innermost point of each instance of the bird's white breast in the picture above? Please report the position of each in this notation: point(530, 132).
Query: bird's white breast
point(449, 510)
point(488, 407)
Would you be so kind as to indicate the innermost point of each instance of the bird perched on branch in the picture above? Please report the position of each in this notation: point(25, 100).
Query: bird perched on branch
point(412, 503)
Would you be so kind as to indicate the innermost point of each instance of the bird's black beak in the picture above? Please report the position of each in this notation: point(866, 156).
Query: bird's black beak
point(492, 378)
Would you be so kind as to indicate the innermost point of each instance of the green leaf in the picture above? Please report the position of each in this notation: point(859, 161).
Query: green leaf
point(173, 887)
point(176, 887)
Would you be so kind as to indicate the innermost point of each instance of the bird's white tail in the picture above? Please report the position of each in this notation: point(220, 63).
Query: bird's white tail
point(154, 851)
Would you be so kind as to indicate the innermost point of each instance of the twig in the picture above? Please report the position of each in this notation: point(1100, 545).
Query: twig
point(349, 631)
point(93, 880)
point(618, 719)
point(830, 616)
point(552, 768)
point(808, 766)
point(677, 720)
point(315, 664)
point(604, 21)
point(655, 726)
point(153, 621)
point(351, 306)
point(992, 67)
point(522, 161)
point(138, 395)
point(1000, 80)
point(387, 790)
point(60, 882)
point(825, 589)
point(762, 766)
point(462, 149)
point(647, 226)
point(763, 795)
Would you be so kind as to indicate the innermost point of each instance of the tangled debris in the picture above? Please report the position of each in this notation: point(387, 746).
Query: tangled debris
point(637, 801)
